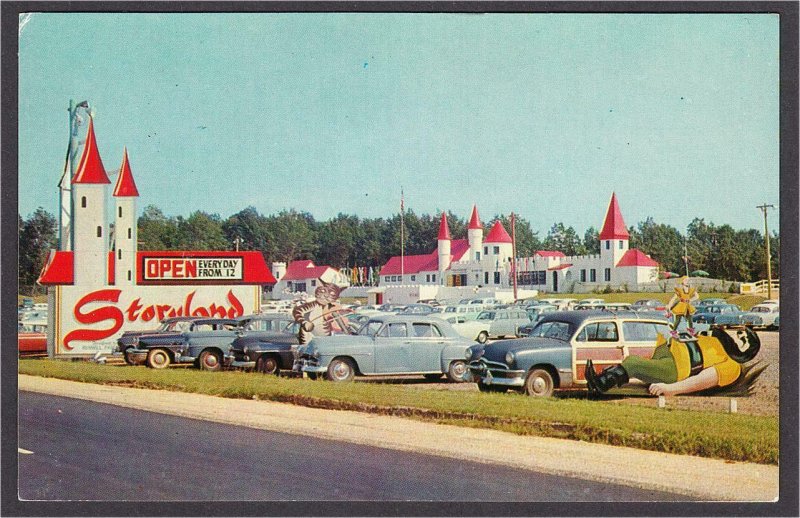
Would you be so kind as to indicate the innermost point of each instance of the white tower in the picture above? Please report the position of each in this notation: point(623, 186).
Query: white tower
point(614, 236)
point(125, 194)
point(444, 248)
point(278, 270)
point(90, 239)
point(475, 236)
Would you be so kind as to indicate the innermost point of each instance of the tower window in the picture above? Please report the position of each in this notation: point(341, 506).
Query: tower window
point(129, 233)
point(129, 275)
point(620, 245)
point(608, 245)
point(99, 231)
point(120, 212)
point(119, 254)
point(83, 201)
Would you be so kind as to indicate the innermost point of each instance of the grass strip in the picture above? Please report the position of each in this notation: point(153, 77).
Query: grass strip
point(733, 437)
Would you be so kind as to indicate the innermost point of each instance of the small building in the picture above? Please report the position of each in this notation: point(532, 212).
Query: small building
point(303, 276)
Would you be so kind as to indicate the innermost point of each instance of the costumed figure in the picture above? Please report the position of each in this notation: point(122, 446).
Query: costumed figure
point(680, 305)
point(686, 364)
point(322, 316)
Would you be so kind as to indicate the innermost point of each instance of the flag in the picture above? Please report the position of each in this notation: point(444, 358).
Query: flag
point(402, 201)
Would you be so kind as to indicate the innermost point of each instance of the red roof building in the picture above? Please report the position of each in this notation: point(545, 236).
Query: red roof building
point(497, 234)
point(614, 225)
point(90, 168)
point(444, 228)
point(125, 185)
point(474, 220)
point(635, 257)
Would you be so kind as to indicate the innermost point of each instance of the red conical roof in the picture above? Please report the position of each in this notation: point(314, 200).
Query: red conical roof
point(125, 184)
point(444, 230)
point(475, 221)
point(498, 234)
point(90, 168)
point(614, 225)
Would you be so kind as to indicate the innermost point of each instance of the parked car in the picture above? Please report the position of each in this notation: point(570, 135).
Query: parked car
point(387, 345)
point(776, 325)
point(168, 325)
point(468, 311)
point(484, 302)
point(267, 345)
point(761, 316)
point(417, 309)
point(708, 314)
point(648, 305)
point(708, 302)
point(205, 343)
point(555, 355)
point(535, 314)
point(562, 304)
point(494, 323)
point(32, 337)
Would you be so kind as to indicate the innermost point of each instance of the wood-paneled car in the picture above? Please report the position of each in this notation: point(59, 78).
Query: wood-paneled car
point(554, 355)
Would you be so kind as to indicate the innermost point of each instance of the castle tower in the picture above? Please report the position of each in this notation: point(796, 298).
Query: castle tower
point(614, 236)
point(475, 235)
point(498, 244)
point(90, 239)
point(444, 248)
point(125, 194)
point(278, 270)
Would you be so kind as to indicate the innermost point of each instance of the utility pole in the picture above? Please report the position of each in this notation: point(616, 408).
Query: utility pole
point(514, 254)
point(764, 209)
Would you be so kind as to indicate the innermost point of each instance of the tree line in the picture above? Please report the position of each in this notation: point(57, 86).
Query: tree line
point(349, 241)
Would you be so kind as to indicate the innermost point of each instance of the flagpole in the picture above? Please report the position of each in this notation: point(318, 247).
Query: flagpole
point(402, 236)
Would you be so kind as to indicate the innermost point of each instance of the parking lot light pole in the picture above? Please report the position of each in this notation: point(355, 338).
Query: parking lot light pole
point(764, 209)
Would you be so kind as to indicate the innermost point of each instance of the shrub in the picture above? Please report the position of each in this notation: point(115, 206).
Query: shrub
point(608, 289)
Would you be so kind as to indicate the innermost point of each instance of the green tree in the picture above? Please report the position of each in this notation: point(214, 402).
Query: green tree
point(661, 242)
point(37, 236)
point(591, 241)
point(251, 228)
point(156, 231)
point(201, 231)
point(563, 239)
point(296, 236)
point(527, 241)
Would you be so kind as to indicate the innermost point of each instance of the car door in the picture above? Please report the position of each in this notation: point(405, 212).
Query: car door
point(391, 346)
point(597, 341)
point(639, 337)
point(425, 345)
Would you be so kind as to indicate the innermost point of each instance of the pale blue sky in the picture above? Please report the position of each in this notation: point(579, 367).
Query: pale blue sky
point(541, 114)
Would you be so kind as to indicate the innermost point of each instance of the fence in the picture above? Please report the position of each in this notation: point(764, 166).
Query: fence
point(760, 287)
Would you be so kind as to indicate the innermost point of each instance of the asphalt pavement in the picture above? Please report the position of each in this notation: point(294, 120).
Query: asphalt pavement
point(72, 449)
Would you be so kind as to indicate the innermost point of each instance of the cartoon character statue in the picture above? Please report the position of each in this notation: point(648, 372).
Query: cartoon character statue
point(322, 316)
point(684, 365)
point(680, 305)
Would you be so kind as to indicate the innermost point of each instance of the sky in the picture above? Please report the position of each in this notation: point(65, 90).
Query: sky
point(544, 115)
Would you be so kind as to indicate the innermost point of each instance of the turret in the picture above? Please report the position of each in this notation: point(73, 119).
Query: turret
point(475, 235)
point(614, 236)
point(90, 239)
point(444, 247)
point(498, 244)
point(278, 270)
point(125, 194)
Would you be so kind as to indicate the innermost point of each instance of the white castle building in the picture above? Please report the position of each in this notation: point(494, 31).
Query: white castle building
point(485, 263)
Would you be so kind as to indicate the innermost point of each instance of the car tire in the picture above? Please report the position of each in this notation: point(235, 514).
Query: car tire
point(126, 355)
point(433, 377)
point(267, 364)
point(341, 370)
point(210, 361)
point(483, 336)
point(456, 371)
point(158, 359)
point(539, 383)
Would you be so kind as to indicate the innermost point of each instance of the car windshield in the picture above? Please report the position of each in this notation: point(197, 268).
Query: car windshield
point(370, 328)
point(553, 329)
point(486, 315)
point(761, 309)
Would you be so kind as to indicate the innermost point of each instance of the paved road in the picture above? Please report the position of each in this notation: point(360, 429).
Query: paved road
point(91, 451)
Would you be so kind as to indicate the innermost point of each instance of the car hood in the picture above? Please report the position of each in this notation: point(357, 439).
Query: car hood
point(497, 351)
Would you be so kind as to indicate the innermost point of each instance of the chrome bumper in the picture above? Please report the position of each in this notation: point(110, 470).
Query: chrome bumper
point(306, 365)
point(496, 373)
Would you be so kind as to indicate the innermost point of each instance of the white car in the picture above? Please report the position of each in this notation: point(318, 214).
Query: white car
point(494, 323)
point(761, 315)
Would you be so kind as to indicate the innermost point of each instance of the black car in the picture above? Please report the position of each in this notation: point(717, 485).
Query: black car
point(205, 343)
point(267, 344)
point(168, 325)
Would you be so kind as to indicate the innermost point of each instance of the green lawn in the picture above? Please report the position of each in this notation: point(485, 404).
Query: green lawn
point(733, 437)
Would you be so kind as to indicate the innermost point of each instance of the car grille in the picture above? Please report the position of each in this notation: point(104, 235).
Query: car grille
point(479, 368)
